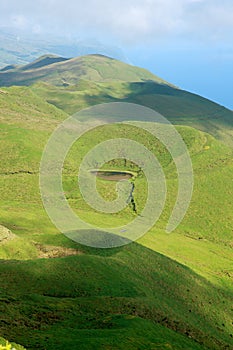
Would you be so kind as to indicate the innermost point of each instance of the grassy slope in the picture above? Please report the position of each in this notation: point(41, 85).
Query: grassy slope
point(180, 107)
point(80, 82)
point(105, 297)
point(128, 298)
point(91, 67)
point(4, 343)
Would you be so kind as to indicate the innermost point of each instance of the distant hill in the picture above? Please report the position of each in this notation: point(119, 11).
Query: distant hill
point(18, 47)
point(43, 61)
point(59, 71)
point(9, 67)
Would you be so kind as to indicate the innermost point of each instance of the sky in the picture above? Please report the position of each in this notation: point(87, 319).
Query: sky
point(187, 42)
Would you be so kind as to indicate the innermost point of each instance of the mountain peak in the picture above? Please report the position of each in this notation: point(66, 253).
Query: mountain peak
point(42, 61)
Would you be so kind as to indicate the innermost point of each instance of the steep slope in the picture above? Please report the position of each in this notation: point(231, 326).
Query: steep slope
point(43, 61)
point(132, 298)
point(179, 106)
point(9, 67)
point(21, 106)
point(73, 84)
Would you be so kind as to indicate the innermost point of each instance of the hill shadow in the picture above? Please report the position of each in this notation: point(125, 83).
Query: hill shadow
point(131, 280)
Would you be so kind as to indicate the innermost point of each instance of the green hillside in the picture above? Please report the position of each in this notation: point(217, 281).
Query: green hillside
point(161, 292)
point(70, 71)
point(6, 345)
point(180, 107)
point(42, 61)
point(73, 84)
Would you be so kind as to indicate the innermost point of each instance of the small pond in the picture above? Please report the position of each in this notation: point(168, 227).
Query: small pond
point(112, 175)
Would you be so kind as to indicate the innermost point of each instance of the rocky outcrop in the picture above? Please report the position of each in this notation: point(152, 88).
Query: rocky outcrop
point(5, 234)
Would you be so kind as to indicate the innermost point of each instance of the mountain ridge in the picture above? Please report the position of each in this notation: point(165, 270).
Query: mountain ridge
point(75, 83)
point(92, 67)
point(42, 61)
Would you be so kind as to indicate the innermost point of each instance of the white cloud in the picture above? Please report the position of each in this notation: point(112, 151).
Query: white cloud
point(19, 21)
point(129, 21)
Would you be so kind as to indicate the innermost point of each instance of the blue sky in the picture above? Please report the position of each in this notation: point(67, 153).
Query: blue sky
point(187, 42)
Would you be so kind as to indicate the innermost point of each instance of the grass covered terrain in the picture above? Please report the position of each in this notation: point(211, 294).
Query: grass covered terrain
point(73, 84)
point(180, 107)
point(161, 292)
point(70, 71)
point(5, 345)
